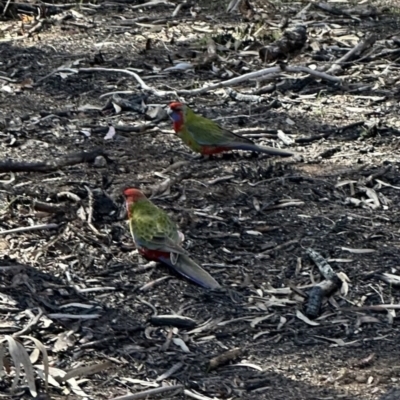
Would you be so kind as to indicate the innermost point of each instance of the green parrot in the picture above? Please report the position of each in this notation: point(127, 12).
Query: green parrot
point(205, 136)
point(157, 238)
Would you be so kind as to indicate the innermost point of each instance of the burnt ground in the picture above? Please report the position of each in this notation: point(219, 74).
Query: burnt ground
point(247, 219)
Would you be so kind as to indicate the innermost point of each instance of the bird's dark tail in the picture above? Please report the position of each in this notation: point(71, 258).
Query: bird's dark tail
point(259, 149)
point(185, 266)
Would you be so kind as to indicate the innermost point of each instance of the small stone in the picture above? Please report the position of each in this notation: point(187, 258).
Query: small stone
point(100, 162)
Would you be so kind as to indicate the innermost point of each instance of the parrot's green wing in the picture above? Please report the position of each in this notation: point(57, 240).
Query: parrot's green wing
point(151, 228)
point(208, 133)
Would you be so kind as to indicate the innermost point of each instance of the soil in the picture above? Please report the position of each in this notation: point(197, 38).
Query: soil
point(248, 219)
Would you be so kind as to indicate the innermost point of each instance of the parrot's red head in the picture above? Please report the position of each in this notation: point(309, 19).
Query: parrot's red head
point(132, 195)
point(177, 114)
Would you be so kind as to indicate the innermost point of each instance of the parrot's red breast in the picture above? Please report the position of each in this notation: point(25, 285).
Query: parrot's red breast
point(210, 150)
point(177, 115)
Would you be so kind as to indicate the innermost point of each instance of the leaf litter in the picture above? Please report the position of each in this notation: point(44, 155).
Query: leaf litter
point(82, 118)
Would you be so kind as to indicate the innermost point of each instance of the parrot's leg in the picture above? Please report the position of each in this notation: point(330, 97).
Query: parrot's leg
point(254, 154)
point(229, 156)
point(206, 158)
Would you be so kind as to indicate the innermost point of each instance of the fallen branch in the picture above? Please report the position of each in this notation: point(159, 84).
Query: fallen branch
point(86, 370)
point(29, 228)
point(90, 213)
point(33, 322)
point(229, 82)
point(153, 3)
point(356, 51)
point(333, 10)
point(324, 289)
point(259, 74)
point(150, 392)
point(143, 85)
point(244, 97)
point(47, 207)
point(224, 358)
point(47, 166)
point(145, 128)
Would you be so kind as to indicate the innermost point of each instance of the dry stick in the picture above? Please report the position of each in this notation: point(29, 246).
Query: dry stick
point(47, 207)
point(149, 392)
point(30, 325)
point(90, 213)
point(122, 128)
point(224, 358)
point(152, 3)
point(46, 166)
point(302, 11)
point(259, 74)
point(4, 78)
point(233, 5)
point(143, 85)
point(361, 46)
point(385, 52)
point(8, 181)
point(198, 396)
point(29, 228)
point(6, 7)
point(333, 10)
point(87, 370)
point(233, 81)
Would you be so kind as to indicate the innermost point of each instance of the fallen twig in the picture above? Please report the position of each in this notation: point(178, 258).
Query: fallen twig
point(87, 370)
point(149, 392)
point(224, 358)
point(361, 46)
point(153, 3)
point(6, 7)
point(90, 213)
point(144, 128)
point(34, 321)
point(333, 10)
point(244, 97)
point(47, 166)
point(229, 82)
point(259, 74)
point(143, 85)
point(29, 228)
point(48, 207)
point(197, 396)
point(73, 316)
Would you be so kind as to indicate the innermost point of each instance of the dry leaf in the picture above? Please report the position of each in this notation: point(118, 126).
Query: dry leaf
point(20, 356)
point(358, 251)
point(303, 318)
point(111, 132)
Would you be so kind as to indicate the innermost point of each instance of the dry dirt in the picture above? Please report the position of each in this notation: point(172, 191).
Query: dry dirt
point(250, 229)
